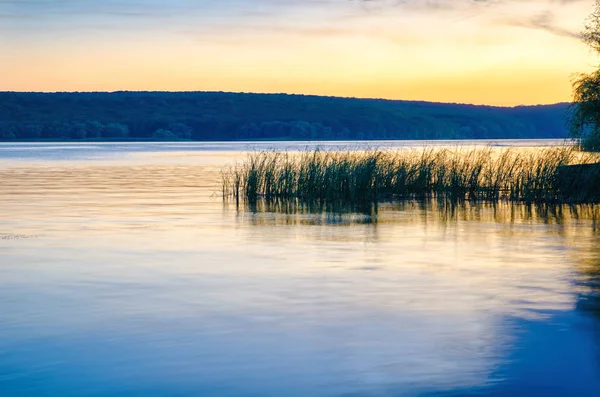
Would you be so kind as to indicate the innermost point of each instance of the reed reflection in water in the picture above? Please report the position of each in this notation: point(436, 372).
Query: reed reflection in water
point(300, 212)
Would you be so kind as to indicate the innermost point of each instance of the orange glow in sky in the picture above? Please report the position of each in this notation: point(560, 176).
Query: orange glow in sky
point(485, 52)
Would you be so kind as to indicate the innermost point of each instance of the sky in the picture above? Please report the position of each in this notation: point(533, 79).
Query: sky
point(496, 52)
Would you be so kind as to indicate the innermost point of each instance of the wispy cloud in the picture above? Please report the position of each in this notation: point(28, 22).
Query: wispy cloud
point(533, 14)
point(312, 17)
point(544, 21)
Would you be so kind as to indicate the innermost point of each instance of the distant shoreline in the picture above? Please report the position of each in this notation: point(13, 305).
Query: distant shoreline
point(217, 116)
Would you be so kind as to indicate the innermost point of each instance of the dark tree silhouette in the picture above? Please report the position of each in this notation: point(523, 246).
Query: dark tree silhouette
point(219, 116)
point(585, 110)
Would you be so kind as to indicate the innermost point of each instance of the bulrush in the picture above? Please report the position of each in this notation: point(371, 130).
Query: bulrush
point(365, 177)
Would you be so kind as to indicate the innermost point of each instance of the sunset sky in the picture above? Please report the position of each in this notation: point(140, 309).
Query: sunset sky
point(500, 52)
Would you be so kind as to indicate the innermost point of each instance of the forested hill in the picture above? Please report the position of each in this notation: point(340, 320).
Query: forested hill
point(230, 116)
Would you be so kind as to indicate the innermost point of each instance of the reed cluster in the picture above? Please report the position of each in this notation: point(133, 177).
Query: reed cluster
point(351, 177)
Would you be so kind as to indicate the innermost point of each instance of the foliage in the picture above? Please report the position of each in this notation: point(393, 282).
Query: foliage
point(584, 118)
point(591, 32)
point(228, 116)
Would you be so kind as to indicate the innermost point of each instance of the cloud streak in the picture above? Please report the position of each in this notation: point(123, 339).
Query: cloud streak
point(310, 17)
point(545, 21)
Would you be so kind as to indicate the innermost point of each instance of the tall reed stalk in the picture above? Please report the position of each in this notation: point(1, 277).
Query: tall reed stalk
point(361, 178)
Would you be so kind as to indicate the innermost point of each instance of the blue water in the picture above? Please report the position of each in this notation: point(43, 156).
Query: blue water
point(122, 273)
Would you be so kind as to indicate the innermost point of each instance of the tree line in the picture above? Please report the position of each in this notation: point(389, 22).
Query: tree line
point(218, 116)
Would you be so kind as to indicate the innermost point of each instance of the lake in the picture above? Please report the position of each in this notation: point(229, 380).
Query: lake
point(123, 273)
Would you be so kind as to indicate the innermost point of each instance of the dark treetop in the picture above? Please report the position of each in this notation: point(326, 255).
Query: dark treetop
point(230, 116)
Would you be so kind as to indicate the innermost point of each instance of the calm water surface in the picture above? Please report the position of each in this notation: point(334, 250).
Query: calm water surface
point(122, 273)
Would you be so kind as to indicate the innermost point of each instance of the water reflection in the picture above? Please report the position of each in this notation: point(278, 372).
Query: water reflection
point(537, 265)
point(445, 212)
point(588, 283)
point(129, 278)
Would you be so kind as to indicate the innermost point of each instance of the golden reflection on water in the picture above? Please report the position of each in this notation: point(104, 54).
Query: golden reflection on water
point(445, 211)
point(182, 200)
